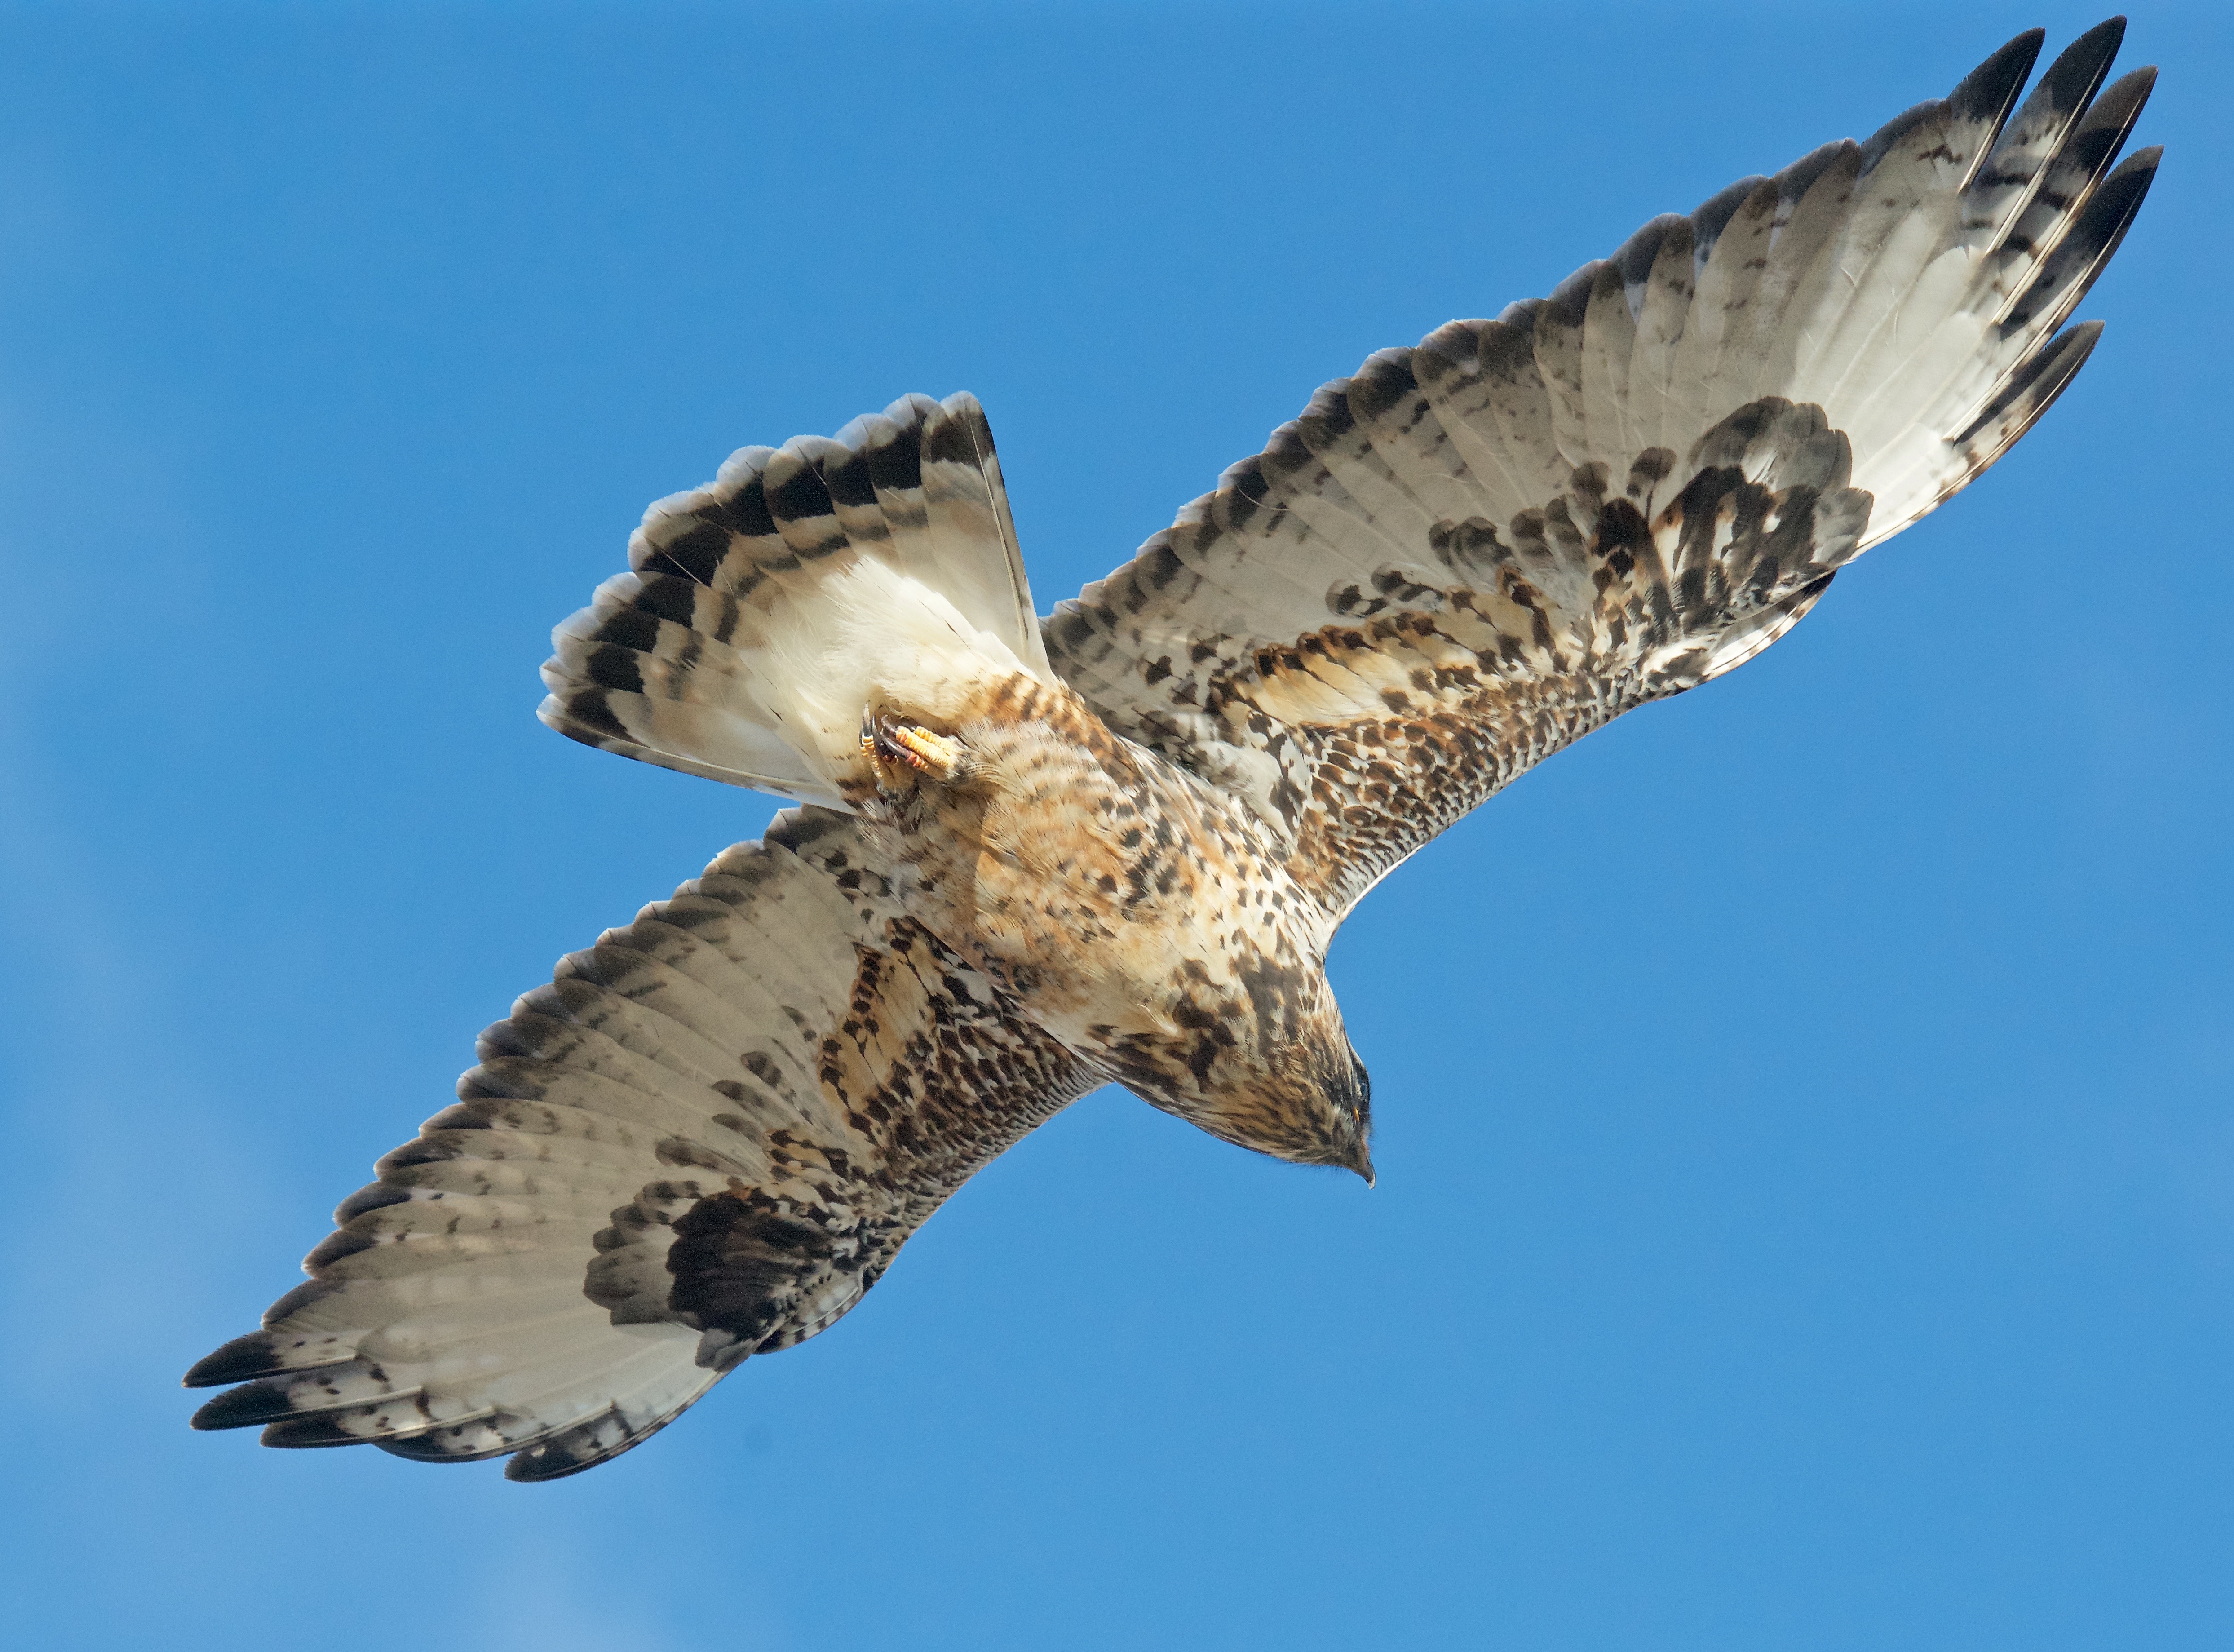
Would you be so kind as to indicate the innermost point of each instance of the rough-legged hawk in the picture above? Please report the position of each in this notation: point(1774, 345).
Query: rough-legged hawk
point(1037, 856)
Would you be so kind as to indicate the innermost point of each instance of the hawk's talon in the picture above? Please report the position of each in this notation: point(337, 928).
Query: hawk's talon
point(940, 756)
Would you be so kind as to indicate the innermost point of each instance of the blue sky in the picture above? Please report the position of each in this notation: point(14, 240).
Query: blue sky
point(1807, 1212)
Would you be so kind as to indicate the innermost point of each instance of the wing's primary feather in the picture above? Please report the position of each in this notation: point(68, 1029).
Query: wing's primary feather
point(706, 1138)
point(1473, 551)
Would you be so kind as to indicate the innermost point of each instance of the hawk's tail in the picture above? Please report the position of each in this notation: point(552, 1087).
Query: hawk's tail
point(765, 611)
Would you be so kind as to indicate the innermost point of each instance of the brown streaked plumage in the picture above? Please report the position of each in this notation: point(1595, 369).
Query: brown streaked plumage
point(1114, 846)
point(1146, 921)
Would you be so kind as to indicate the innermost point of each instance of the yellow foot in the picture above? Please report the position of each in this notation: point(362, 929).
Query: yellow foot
point(904, 745)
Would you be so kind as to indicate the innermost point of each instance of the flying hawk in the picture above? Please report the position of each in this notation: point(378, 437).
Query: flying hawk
point(1112, 846)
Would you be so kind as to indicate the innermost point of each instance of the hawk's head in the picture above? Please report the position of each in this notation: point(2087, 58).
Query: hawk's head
point(1324, 1107)
point(1286, 1084)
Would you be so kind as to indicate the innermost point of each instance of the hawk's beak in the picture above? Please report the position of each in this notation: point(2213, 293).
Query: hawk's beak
point(1362, 1165)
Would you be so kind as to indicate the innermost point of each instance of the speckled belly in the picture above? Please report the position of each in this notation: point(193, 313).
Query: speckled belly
point(1123, 906)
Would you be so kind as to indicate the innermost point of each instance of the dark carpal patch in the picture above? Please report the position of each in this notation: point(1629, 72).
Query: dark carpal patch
point(739, 1262)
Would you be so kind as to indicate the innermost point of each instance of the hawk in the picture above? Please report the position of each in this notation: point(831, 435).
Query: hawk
point(1037, 856)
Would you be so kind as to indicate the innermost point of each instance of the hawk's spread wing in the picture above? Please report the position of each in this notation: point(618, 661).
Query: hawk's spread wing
point(1482, 548)
point(706, 1137)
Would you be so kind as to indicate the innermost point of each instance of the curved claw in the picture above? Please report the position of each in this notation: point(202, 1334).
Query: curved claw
point(940, 756)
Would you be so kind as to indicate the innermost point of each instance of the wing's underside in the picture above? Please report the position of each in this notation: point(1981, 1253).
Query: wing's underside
point(1476, 550)
point(705, 1139)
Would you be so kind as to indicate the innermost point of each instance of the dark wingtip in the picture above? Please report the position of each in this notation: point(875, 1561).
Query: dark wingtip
point(373, 1196)
point(302, 1296)
point(2120, 105)
point(2080, 67)
point(1712, 216)
point(305, 1433)
point(584, 1445)
point(1989, 92)
point(539, 1464)
point(1800, 177)
point(2073, 268)
point(433, 1447)
point(336, 1245)
point(2070, 83)
point(2118, 197)
point(244, 1407)
point(1567, 303)
point(2041, 380)
point(252, 1356)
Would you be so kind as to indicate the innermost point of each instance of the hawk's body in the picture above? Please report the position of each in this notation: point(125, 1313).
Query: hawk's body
point(1115, 845)
point(1146, 920)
